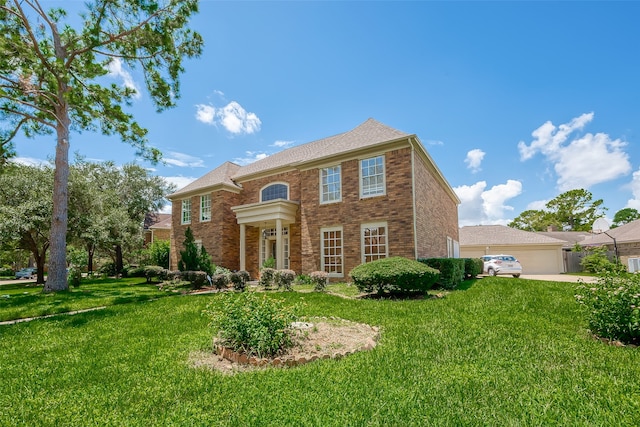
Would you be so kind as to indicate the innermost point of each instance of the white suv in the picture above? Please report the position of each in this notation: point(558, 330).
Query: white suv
point(501, 264)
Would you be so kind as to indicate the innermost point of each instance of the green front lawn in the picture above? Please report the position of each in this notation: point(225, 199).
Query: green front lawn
point(27, 300)
point(501, 352)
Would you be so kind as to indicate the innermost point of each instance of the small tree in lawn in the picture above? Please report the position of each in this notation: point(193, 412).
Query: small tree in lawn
point(204, 262)
point(190, 256)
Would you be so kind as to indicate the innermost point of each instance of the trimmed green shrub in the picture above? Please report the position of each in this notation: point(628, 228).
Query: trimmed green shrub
point(319, 280)
point(284, 279)
point(239, 280)
point(267, 276)
point(252, 323)
point(6, 272)
point(451, 270)
point(597, 261)
point(472, 267)
point(197, 279)
point(394, 274)
point(151, 272)
point(219, 281)
point(613, 306)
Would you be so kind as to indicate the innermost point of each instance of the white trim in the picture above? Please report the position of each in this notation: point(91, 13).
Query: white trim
point(275, 183)
point(324, 230)
point(321, 192)
point(365, 226)
point(415, 201)
point(384, 179)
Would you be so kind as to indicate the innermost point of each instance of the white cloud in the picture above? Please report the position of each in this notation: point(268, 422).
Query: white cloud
point(635, 190)
point(179, 181)
point(252, 156)
point(283, 144)
point(116, 71)
point(233, 117)
point(538, 205)
point(474, 159)
point(481, 206)
point(205, 114)
point(31, 161)
point(434, 142)
point(183, 160)
point(584, 161)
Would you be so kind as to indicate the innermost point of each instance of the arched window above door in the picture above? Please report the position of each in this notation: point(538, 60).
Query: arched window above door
point(274, 191)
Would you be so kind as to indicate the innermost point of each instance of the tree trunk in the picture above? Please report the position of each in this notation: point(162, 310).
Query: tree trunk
point(57, 275)
point(118, 259)
point(90, 250)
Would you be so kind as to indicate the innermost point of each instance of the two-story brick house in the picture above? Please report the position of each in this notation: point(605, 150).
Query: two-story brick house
point(329, 205)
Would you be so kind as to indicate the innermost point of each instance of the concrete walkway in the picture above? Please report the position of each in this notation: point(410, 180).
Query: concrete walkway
point(560, 278)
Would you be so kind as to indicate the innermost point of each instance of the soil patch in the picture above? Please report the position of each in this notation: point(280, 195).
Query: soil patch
point(317, 338)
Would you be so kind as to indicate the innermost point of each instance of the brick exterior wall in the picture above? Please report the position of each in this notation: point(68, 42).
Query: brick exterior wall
point(436, 216)
point(395, 207)
point(436, 213)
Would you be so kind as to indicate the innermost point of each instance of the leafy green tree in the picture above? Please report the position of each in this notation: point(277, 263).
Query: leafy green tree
point(51, 81)
point(25, 210)
point(576, 210)
point(533, 220)
point(159, 253)
point(624, 216)
point(573, 210)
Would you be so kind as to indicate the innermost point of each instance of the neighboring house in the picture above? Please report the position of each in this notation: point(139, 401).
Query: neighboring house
point(537, 253)
point(627, 243)
point(157, 226)
point(329, 205)
point(572, 259)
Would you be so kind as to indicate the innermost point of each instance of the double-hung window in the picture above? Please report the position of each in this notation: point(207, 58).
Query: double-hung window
point(330, 184)
point(205, 208)
point(374, 241)
point(372, 181)
point(186, 211)
point(331, 247)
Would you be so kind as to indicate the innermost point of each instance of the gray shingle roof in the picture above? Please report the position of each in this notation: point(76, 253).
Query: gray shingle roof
point(219, 176)
point(502, 235)
point(625, 233)
point(368, 134)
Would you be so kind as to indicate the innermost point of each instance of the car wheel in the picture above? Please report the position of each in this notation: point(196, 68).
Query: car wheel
point(516, 275)
point(492, 272)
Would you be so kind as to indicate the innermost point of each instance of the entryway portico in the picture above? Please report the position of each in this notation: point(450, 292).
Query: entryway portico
point(272, 218)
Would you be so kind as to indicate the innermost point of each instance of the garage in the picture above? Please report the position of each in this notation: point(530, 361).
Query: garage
point(538, 254)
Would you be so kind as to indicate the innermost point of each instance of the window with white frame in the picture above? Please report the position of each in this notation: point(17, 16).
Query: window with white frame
point(186, 211)
point(205, 208)
point(331, 258)
point(372, 177)
point(274, 192)
point(330, 184)
point(374, 241)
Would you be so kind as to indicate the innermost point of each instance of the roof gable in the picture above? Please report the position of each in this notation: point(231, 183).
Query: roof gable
point(220, 176)
point(629, 232)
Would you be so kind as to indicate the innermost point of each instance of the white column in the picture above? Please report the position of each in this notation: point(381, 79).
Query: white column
point(243, 233)
point(279, 246)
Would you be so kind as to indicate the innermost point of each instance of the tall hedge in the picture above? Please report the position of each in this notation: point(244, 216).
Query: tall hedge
point(451, 270)
point(395, 274)
point(473, 267)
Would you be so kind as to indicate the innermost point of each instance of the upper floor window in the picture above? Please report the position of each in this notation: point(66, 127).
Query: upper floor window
point(274, 191)
point(205, 208)
point(330, 184)
point(186, 211)
point(372, 177)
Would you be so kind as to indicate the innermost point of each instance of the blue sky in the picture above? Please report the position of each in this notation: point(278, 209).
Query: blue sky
point(516, 102)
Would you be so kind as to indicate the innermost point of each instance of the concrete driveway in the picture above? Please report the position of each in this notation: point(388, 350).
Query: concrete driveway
point(560, 278)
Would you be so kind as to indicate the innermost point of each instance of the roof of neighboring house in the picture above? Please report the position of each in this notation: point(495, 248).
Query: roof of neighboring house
point(163, 224)
point(629, 232)
point(571, 237)
point(502, 235)
point(152, 219)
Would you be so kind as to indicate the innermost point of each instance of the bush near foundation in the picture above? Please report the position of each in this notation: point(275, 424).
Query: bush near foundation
point(451, 270)
point(473, 267)
point(394, 275)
